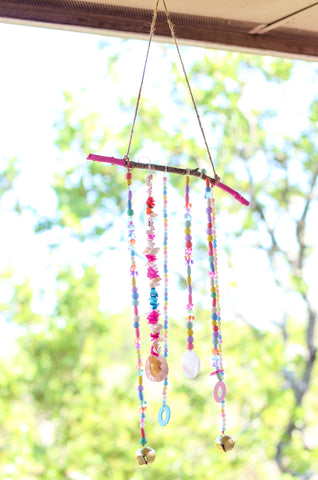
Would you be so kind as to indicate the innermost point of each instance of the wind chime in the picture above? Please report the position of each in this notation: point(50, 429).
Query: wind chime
point(156, 365)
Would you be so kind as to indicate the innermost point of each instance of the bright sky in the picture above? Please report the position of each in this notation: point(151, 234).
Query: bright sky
point(37, 65)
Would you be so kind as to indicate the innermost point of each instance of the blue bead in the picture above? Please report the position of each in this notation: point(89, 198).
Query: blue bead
point(135, 295)
point(165, 382)
point(143, 415)
point(189, 325)
point(141, 396)
point(136, 325)
point(165, 354)
point(214, 316)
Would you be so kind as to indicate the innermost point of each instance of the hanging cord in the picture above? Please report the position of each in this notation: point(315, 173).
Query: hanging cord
point(171, 26)
point(152, 31)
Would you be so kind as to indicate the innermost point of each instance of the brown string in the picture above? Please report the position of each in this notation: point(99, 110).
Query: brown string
point(152, 29)
point(171, 26)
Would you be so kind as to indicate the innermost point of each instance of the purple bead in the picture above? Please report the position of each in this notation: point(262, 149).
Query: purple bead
point(209, 231)
point(188, 237)
point(190, 289)
point(134, 289)
point(187, 189)
point(215, 334)
point(190, 339)
point(129, 195)
point(140, 388)
point(209, 210)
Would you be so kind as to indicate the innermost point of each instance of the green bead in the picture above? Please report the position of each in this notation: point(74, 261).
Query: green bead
point(143, 441)
point(130, 212)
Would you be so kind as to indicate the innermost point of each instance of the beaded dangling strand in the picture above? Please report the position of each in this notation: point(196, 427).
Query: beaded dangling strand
point(164, 412)
point(190, 360)
point(223, 442)
point(144, 455)
point(156, 366)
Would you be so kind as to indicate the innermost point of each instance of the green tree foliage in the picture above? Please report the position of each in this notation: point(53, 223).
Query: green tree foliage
point(69, 406)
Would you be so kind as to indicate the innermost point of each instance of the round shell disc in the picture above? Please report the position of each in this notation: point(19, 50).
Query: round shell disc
point(156, 368)
point(190, 364)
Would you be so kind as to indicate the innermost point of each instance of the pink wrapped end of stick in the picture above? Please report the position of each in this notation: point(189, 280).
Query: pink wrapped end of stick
point(234, 193)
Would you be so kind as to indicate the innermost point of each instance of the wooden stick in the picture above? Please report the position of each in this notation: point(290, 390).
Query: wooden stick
point(162, 168)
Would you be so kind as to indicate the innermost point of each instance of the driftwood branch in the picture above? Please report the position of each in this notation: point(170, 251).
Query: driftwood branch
point(123, 162)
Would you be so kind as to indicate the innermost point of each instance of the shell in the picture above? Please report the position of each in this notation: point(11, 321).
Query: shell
point(156, 368)
point(190, 364)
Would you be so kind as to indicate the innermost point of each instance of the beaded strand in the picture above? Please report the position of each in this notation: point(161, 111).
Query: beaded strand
point(156, 365)
point(223, 442)
point(190, 360)
point(136, 317)
point(164, 412)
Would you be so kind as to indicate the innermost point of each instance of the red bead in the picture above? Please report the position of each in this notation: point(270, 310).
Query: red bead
point(128, 175)
point(188, 244)
point(214, 302)
point(142, 433)
point(215, 328)
point(209, 225)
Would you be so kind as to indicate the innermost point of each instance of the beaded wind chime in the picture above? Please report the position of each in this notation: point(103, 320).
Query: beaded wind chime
point(156, 365)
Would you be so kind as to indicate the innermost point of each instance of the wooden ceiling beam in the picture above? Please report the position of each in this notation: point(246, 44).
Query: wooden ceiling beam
point(210, 32)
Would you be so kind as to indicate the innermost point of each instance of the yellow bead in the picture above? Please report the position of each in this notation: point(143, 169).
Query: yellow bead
point(210, 238)
point(187, 230)
point(139, 380)
point(188, 280)
point(187, 180)
point(128, 182)
point(133, 282)
point(190, 332)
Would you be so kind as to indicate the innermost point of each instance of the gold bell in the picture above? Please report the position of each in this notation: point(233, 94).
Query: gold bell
point(145, 456)
point(225, 443)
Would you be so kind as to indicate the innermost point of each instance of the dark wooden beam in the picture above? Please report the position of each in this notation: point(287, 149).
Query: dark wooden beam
point(190, 29)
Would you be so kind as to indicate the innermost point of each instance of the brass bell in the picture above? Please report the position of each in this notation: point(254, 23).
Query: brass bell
point(225, 443)
point(145, 456)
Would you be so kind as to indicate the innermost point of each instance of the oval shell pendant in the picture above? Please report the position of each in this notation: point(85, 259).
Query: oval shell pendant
point(225, 443)
point(190, 364)
point(156, 368)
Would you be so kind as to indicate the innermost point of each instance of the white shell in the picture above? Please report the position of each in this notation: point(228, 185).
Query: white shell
point(190, 364)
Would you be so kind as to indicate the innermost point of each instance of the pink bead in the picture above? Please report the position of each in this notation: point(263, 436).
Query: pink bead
point(135, 310)
point(190, 346)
